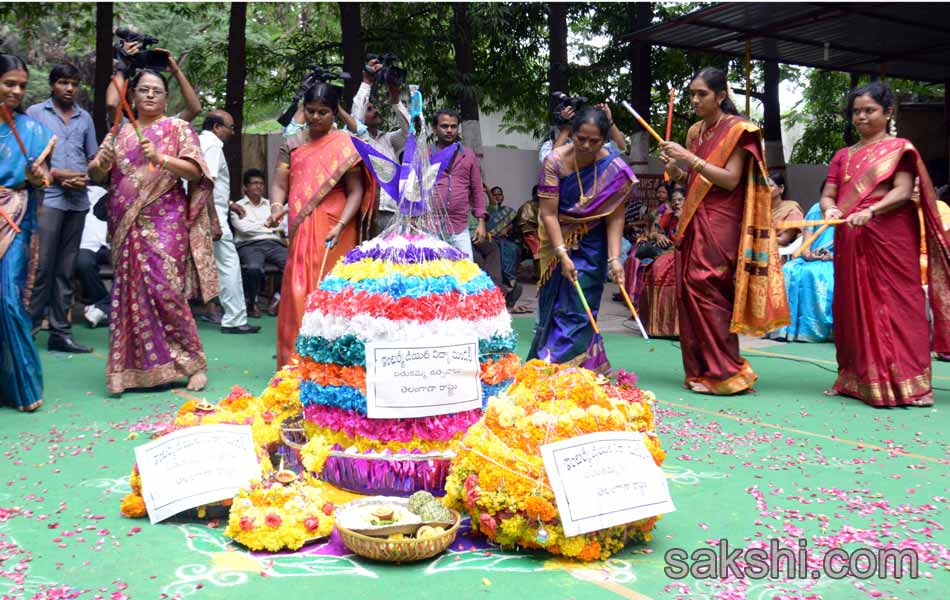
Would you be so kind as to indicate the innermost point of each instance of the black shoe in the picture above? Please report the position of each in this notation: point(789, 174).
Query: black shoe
point(66, 344)
point(242, 329)
point(511, 298)
point(214, 319)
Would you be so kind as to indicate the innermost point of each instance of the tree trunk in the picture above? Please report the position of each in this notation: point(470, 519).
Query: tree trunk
point(849, 138)
point(558, 80)
point(465, 64)
point(353, 54)
point(103, 67)
point(234, 98)
point(774, 151)
point(641, 78)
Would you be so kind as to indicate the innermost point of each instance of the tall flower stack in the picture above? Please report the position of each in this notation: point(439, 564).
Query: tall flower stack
point(397, 288)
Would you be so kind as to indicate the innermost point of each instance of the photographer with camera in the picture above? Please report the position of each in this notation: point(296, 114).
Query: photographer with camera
point(389, 143)
point(132, 53)
point(565, 110)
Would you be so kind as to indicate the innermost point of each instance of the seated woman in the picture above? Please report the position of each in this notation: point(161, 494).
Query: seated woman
point(783, 210)
point(655, 279)
point(810, 284)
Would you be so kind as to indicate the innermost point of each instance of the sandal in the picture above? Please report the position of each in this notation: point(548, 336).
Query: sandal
point(927, 400)
point(521, 310)
point(831, 393)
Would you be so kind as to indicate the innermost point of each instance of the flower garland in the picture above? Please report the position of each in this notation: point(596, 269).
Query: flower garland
point(349, 303)
point(498, 475)
point(462, 271)
point(273, 516)
point(408, 285)
point(350, 351)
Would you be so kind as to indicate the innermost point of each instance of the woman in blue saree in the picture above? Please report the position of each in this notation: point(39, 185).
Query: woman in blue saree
point(810, 285)
point(582, 193)
point(21, 182)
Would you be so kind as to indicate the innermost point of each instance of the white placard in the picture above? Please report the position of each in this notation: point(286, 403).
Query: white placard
point(194, 466)
point(429, 377)
point(604, 479)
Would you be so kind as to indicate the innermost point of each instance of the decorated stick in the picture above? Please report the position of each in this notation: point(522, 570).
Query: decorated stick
point(590, 315)
point(810, 240)
point(323, 263)
point(633, 311)
point(669, 126)
point(642, 122)
point(128, 109)
point(9, 119)
point(798, 224)
point(9, 220)
point(118, 114)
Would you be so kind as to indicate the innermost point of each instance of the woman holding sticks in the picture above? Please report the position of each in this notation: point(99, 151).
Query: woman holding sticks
point(880, 320)
point(23, 144)
point(582, 193)
point(161, 242)
point(727, 271)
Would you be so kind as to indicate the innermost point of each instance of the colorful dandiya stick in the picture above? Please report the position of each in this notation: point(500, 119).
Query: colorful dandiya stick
point(633, 311)
point(16, 134)
point(118, 114)
point(643, 122)
point(590, 315)
point(799, 223)
point(669, 125)
point(809, 241)
point(323, 263)
point(128, 109)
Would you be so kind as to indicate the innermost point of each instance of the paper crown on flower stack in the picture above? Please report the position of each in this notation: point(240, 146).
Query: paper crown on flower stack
point(411, 182)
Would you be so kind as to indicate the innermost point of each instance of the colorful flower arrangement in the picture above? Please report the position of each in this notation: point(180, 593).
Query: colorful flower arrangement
point(273, 515)
point(498, 475)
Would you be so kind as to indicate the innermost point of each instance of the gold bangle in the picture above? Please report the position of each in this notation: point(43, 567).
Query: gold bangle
point(165, 162)
point(614, 259)
point(699, 164)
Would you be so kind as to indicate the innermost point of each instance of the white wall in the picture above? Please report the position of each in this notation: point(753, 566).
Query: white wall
point(515, 171)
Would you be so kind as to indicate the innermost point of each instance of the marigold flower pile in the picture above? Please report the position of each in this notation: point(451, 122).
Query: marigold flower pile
point(272, 516)
point(498, 476)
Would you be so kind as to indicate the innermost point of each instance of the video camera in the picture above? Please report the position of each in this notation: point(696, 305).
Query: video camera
point(316, 75)
point(389, 74)
point(144, 58)
point(562, 101)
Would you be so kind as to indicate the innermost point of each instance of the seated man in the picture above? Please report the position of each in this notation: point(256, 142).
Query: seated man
point(258, 240)
point(94, 252)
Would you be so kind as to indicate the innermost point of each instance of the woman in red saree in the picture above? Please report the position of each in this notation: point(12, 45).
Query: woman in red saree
point(880, 321)
point(161, 244)
point(329, 197)
point(727, 271)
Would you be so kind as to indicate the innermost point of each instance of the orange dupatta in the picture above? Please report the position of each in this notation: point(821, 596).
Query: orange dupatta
point(760, 302)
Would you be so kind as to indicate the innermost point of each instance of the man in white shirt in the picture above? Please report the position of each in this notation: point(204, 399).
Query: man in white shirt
point(257, 238)
point(389, 143)
point(217, 128)
point(93, 253)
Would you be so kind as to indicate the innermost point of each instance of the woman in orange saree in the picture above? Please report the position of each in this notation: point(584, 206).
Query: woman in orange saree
point(728, 276)
point(882, 335)
point(329, 201)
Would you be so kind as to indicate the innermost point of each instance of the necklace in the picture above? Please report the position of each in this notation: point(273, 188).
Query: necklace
point(851, 151)
point(580, 184)
point(706, 130)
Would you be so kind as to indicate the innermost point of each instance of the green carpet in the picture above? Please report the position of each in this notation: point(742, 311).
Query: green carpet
point(784, 462)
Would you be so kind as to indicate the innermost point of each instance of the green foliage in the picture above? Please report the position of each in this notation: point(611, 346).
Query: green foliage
point(821, 111)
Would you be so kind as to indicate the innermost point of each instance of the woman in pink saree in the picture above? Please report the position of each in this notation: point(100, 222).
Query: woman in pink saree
point(161, 244)
point(882, 336)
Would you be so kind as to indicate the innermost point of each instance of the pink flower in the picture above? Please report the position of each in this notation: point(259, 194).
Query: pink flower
point(311, 523)
point(328, 508)
point(471, 491)
point(273, 520)
point(488, 524)
point(247, 524)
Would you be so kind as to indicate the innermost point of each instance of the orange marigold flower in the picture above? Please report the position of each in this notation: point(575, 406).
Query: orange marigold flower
point(133, 506)
point(590, 552)
point(539, 508)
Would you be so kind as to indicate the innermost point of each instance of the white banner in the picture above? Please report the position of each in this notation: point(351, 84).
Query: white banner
point(195, 466)
point(434, 377)
point(604, 479)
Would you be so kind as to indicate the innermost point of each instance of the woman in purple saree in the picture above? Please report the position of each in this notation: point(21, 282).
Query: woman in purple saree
point(161, 244)
point(582, 193)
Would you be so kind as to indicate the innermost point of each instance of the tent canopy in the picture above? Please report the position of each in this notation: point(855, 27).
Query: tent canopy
point(908, 40)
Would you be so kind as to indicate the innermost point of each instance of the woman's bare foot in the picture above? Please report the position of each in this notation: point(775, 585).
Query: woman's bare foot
point(830, 392)
point(698, 387)
point(927, 400)
point(197, 382)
